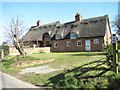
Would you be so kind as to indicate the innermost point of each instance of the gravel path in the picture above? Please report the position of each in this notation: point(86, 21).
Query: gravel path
point(39, 69)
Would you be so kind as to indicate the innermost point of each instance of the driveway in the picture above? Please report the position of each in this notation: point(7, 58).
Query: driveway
point(7, 81)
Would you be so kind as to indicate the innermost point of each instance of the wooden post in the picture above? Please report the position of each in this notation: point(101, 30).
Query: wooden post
point(115, 66)
point(116, 61)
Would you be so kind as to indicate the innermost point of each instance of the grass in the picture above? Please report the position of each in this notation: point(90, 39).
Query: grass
point(81, 70)
point(66, 59)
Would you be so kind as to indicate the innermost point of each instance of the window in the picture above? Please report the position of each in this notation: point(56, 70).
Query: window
point(45, 35)
point(73, 36)
point(96, 41)
point(68, 44)
point(55, 45)
point(79, 43)
point(58, 36)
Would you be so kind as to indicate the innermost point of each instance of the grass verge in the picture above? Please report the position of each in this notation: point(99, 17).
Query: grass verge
point(81, 70)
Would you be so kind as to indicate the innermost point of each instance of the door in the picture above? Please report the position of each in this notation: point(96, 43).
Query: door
point(87, 45)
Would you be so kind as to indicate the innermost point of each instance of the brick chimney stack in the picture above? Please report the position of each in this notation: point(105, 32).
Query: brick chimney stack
point(38, 23)
point(78, 17)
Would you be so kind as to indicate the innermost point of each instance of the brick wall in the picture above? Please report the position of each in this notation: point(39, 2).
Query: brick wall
point(46, 40)
point(74, 47)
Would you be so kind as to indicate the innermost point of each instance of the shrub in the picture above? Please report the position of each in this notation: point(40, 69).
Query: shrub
point(114, 82)
point(5, 50)
point(109, 55)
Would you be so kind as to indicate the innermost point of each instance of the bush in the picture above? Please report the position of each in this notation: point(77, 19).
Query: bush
point(109, 55)
point(5, 50)
point(114, 82)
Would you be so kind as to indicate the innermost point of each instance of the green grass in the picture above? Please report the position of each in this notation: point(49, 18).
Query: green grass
point(66, 59)
point(94, 74)
point(81, 70)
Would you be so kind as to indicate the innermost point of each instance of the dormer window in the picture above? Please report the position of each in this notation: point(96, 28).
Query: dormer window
point(73, 36)
point(45, 35)
point(58, 36)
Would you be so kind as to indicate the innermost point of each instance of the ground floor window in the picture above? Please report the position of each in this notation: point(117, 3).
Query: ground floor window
point(55, 45)
point(79, 43)
point(96, 41)
point(47, 43)
point(68, 44)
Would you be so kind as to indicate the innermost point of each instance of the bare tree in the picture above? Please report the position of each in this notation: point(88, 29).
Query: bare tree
point(116, 24)
point(14, 32)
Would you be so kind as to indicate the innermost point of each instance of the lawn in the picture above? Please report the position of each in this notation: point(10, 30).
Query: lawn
point(80, 70)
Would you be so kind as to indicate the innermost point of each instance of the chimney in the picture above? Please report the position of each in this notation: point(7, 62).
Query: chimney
point(78, 17)
point(38, 23)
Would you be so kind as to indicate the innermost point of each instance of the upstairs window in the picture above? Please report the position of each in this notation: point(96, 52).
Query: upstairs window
point(68, 44)
point(73, 36)
point(45, 35)
point(58, 36)
point(96, 41)
point(79, 43)
point(55, 45)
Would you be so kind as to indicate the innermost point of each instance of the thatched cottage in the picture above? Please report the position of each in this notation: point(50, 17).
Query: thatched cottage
point(79, 35)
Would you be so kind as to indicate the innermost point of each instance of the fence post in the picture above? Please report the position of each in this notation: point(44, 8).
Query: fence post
point(115, 65)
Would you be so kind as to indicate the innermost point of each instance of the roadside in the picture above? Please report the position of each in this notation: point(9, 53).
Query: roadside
point(8, 81)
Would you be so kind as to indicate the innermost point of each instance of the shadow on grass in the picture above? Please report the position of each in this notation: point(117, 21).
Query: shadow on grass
point(84, 69)
point(89, 54)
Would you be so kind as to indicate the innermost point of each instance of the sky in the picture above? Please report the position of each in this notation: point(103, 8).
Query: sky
point(48, 12)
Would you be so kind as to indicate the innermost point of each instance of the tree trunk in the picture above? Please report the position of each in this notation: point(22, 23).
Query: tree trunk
point(21, 50)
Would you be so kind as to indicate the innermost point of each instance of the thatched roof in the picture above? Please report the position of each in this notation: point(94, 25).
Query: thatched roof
point(36, 32)
point(92, 27)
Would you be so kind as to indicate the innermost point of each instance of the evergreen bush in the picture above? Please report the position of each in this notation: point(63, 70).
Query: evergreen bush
point(109, 55)
point(5, 50)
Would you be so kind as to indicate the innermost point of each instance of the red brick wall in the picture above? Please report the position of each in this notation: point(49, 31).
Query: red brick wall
point(74, 47)
point(45, 40)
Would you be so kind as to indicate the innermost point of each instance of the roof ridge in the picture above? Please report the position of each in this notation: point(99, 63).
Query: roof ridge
point(49, 23)
point(96, 17)
point(45, 24)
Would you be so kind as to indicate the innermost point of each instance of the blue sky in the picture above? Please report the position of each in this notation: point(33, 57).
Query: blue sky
point(49, 12)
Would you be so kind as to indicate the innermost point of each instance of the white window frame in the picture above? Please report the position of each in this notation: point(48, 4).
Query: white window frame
point(73, 36)
point(68, 44)
point(79, 41)
point(58, 36)
point(55, 45)
point(96, 41)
